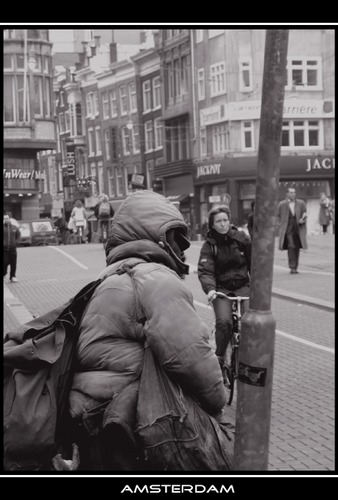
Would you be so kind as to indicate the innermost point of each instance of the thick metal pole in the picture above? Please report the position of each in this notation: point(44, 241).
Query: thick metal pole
point(258, 325)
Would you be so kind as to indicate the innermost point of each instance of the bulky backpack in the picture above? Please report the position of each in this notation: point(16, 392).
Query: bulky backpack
point(38, 360)
point(104, 208)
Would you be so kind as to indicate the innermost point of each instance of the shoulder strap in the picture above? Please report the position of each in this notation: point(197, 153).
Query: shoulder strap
point(213, 247)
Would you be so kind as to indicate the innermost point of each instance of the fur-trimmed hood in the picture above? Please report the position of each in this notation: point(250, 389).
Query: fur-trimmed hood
point(144, 216)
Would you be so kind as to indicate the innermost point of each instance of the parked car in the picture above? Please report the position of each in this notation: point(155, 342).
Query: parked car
point(34, 232)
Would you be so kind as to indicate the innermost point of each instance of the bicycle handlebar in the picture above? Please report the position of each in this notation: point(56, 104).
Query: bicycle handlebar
point(230, 297)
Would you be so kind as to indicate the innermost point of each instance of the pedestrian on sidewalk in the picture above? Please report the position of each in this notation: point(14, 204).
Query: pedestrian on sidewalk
point(12, 237)
point(224, 266)
point(291, 218)
point(324, 212)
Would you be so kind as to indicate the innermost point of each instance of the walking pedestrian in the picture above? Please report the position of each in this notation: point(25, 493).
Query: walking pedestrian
point(224, 266)
point(12, 237)
point(291, 218)
point(324, 212)
point(149, 306)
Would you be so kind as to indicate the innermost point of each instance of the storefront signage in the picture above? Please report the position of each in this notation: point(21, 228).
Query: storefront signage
point(213, 169)
point(251, 110)
point(71, 162)
point(318, 163)
point(17, 173)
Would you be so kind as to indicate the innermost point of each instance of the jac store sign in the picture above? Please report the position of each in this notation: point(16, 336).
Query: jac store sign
point(17, 173)
point(320, 163)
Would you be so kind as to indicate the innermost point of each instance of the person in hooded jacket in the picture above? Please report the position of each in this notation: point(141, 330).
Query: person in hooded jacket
point(148, 234)
point(224, 266)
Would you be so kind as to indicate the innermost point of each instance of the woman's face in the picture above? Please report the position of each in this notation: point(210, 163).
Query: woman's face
point(221, 223)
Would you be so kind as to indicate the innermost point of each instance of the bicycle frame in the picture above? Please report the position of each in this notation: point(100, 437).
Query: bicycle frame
point(230, 367)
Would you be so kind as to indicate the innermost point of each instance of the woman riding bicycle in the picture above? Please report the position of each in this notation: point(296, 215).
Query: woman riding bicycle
point(224, 266)
point(104, 212)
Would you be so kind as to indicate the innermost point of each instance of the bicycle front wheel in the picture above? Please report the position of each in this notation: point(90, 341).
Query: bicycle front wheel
point(229, 370)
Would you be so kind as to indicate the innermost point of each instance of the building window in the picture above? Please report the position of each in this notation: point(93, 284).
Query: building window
point(89, 105)
point(126, 143)
point(177, 78)
point(248, 135)
point(132, 97)
point(62, 123)
point(135, 139)
point(91, 151)
point(9, 100)
point(199, 36)
point(203, 141)
point(98, 141)
point(107, 143)
point(37, 97)
point(20, 62)
point(78, 114)
point(67, 121)
point(148, 134)
point(111, 184)
point(123, 100)
point(105, 105)
point(146, 96)
point(47, 98)
point(177, 139)
point(184, 75)
point(219, 138)
point(96, 104)
point(304, 73)
point(157, 92)
point(158, 133)
point(200, 84)
point(217, 76)
point(113, 103)
point(302, 134)
point(119, 181)
point(245, 75)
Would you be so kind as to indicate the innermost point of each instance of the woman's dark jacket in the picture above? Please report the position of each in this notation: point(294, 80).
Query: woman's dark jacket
point(225, 261)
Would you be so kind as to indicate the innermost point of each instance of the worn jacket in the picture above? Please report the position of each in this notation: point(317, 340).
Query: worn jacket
point(282, 221)
point(149, 303)
point(12, 236)
point(225, 261)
